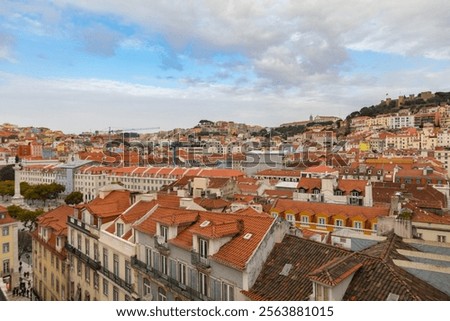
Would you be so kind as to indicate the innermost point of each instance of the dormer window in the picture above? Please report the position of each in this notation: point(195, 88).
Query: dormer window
point(164, 232)
point(290, 218)
point(203, 248)
point(316, 191)
point(338, 192)
point(302, 190)
point(119, 229)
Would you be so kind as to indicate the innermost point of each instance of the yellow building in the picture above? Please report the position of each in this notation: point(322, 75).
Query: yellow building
point(51, 275)
point(9, 251)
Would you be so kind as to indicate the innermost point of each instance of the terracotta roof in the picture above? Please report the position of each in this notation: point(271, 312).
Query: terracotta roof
point(114, 204)
point(279, 193)
point(279, 172)
point(336, 270)
point(212, 203)
point(282, 205)
point(348, 185)
point(424, 196)
point(234, 253)
point(56, 219)
point(8, 219)
point(309, 183)
point(320, 169)
point(137, 211)
point(218, 182)
point(375, 274)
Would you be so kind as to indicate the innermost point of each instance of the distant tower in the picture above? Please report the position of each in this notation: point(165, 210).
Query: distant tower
point(311, 118)
point(17, 199)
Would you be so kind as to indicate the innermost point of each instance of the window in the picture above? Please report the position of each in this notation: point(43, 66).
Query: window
point(164, 264)
point(338, 222)
point(105, 287)
point(164, 232)
point(162, 296)
point(115, 294)
point(119, 229)
point(182, 273)
point(105, 258)
point(45, 273)
point(375, 226)
point(338, 192)
point(290, 218)
point(5, 267)
point(79, 267)
point(321, 293)
point(316, 191)
point(96, 254)
point(96, 279)
point(5, 231)
point(227, 292)
point(52, 280)
point(147, 287)
point(304, 219)
point(148, 257)
point(87, 246)
point(203, 284)
point(203, 248)
point(63, 267)
point(5, 247)
point(321, 221)
point(87, 274)
point(441, 238)
point(357, 225)
point(79, 242)
point(127, 272)
point(116, 265)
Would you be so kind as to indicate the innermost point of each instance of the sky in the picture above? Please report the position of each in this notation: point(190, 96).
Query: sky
point(85, 65)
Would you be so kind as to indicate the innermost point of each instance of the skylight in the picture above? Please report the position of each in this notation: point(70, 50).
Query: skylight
point(205, 224)
point(248, 236)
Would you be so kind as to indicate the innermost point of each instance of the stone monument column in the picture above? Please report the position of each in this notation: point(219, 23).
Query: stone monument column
point(17, 199)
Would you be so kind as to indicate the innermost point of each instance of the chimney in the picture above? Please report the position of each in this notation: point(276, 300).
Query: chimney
point(368, 197)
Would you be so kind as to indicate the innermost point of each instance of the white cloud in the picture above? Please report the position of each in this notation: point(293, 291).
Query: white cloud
point(287, 41)
point(6, 47)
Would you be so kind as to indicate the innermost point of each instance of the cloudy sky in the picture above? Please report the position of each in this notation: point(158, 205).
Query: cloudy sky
point(81, 65)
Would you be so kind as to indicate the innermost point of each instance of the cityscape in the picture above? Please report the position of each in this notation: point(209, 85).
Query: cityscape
point(275, 151)
point(223, 210)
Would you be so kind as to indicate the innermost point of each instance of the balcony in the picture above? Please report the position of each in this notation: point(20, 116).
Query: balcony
point(316, 198)
point(116, 279)
point(168, 281)
point(86, 259)
point(83, 227)
point(161, 245)
point(200, 262)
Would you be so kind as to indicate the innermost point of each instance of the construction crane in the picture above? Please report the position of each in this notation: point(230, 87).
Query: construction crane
point(117, 131)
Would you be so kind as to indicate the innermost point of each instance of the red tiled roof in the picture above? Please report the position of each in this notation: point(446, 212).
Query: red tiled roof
point(212, 203)
point(56, 219)
point(282, 205)
point(235, 252)
point(114, 204)
point(8, 219)
point(320, 169)
point(309, 183)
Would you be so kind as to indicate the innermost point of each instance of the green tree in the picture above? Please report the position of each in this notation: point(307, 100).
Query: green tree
point(6, 188)
point(74, 198)
point(7, 173)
